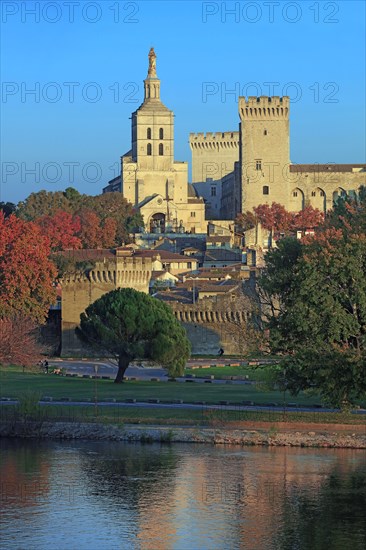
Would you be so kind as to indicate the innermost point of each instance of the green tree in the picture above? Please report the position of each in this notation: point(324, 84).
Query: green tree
point(320, 319)
point(7, 208)
point(115, 206)
point(43, 203)
point(128, 324)
point(276, 284)
point(116, 217)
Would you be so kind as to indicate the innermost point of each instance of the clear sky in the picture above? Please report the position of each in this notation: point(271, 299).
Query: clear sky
point(86, 61)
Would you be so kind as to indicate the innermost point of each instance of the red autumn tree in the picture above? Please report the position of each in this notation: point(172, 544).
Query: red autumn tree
point(274, 217)
point(109, 229)
point(245, 221)
point(308, 218)
point(264, 215)
point(115, 206)
point(89, 233)
point(94, 233)
point(26, 272)
point(62, 229)
point(18, 342)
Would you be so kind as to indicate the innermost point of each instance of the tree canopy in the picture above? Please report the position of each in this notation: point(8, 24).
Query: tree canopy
point(26, 272)
point(316, 293)
point(128, 325)
point(7, 208)
point(276, 218)
point(19, 344)
point(90, 221)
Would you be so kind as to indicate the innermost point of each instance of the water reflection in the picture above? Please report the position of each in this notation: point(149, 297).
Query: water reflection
point(115, 495)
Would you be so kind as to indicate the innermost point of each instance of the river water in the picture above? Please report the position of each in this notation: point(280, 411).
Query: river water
point(107, 495)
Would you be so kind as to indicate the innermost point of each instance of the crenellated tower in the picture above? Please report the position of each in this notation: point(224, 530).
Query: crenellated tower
point(265, 150)
point(213, 158)
point(213, 154)
point(112, 270)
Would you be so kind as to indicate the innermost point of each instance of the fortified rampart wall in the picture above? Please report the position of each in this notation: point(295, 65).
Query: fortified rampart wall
point(79, 290)
point(213, 324)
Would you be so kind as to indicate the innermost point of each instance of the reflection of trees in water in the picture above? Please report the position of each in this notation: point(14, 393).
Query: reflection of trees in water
point(129, 473)
point(332, 517)
point(24, 472)
point(23, 457)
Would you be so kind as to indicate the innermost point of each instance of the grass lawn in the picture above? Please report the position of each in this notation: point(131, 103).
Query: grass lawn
point(170, 417)
point(13, 383)
point(254, 373)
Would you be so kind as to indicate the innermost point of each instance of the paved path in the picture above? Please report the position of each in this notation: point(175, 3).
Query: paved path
point(194, 406)
point(106, 368)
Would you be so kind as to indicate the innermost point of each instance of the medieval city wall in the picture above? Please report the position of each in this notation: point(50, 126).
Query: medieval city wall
point(81, 290)
point(215, 323)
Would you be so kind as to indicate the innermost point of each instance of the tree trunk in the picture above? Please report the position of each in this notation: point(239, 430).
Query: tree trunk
point(123, 363)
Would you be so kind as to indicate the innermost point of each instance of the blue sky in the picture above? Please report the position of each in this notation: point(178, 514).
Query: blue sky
point(86, 62)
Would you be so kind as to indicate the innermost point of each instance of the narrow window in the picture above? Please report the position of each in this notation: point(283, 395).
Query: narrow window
point(149, 149)
point(148, 133)
point(322, 193)
point(193, 214)
point(265, 132)
point(265, 190)
point(213, 191)
point(313, 193)
point(161, 149)
point(161, 133)
point(258, 165)
point(294, 194)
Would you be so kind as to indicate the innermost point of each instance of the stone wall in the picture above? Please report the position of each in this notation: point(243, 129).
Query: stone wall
point(81, 290)
point(213, 157)
point(217, 322)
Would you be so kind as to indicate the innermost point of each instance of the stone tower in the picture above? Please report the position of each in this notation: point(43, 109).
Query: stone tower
point(151, 179)
point(264, 151)
point(213, 157)
point(153, 126)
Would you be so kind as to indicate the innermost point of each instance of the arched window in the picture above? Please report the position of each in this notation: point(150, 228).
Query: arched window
point(161, 149)
point(265, 190)
point(161, 133)
point(148, 133)
point(149, 149)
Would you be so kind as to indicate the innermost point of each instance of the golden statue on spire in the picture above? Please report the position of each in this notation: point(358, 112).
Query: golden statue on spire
point(152, 63)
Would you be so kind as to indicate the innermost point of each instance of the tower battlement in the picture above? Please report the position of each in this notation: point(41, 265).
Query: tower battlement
point(264, 107)
point(214, 140)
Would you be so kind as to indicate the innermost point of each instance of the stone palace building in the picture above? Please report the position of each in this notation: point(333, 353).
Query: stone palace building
point(232, 171)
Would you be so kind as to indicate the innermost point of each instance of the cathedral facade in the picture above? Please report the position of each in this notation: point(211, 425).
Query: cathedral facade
point(151, 179)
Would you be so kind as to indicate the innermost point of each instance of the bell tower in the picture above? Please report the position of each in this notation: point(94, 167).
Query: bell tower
point(153, 126)
point(151, 179)
point(152, 83)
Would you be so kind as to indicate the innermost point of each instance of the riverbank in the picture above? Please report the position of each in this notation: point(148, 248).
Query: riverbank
point(276, 434)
